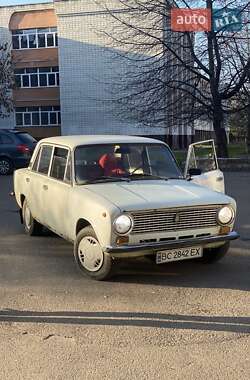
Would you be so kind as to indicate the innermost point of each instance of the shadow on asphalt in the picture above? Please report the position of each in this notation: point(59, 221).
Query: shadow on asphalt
point(230, 273)
point(50, 258)
point(165, 321)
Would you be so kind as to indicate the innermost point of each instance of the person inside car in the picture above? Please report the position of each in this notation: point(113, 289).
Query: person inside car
point(111, 164)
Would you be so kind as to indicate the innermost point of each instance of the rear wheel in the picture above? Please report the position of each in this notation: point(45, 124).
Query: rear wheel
point(31, 226)
point(6, 166)
point(89, 256)
point(212, 255)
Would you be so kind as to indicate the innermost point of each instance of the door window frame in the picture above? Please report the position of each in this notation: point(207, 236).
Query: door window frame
point(51, 162)
point(48, 175)
point(191, 151)
point(39, 159)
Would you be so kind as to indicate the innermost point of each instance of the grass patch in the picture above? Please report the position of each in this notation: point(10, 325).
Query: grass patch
point(180, 156)
point(237, 150)
point(234, 151)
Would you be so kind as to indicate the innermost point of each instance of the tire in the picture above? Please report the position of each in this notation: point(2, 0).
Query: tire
point(96, 264)
point(6, 166)
point(31, 226)
point(212, 255)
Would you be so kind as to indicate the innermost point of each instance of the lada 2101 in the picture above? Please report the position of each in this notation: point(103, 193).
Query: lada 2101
point(116, 197)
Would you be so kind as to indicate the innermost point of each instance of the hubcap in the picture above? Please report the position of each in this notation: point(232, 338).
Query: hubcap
point(90, 254)
point(4, 166)
point(27, 217)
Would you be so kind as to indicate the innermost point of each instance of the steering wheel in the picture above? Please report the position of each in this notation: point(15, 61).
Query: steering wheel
point(141, 167)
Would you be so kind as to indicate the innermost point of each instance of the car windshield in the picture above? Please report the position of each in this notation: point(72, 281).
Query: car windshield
point(120, 162)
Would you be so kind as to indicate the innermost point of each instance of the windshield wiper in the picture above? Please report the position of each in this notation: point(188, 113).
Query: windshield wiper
point(153, 176)
point(175, 178)
point(148, 175)
point(104, 179)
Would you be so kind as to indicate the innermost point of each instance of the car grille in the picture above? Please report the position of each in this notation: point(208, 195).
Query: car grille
point(174, 219)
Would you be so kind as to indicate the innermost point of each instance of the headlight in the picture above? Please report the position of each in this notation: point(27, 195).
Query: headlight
point(226, 215)
point(123, 224)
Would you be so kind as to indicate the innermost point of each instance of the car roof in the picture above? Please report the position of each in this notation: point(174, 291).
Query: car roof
point(76, 140)
point(15, 131)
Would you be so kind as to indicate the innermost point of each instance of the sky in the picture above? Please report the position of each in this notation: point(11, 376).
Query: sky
point(15, 2)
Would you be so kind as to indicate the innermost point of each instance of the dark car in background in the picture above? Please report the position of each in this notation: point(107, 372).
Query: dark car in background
point(16, 148)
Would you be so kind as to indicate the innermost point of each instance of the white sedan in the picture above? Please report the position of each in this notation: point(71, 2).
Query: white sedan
point(125, 196)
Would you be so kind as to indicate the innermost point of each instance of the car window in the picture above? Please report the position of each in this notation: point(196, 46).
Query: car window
point(203, 157)
point(6, 139)
point(161, 161)
point(45, 157)
point(68, 176)
point(26, 138)
point(59, 162)
point(35, 165)
point(130, 160)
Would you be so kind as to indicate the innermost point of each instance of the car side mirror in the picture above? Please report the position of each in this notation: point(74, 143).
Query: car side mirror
point(194, 171)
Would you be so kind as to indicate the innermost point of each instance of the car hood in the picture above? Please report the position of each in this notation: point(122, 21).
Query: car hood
point(148, 194)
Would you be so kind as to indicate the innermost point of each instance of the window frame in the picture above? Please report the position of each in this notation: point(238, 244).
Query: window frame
point(21, 76)
point(38, 163)
point(67, 160)
point(40, 111)
point(18, 34)
point(48, 175)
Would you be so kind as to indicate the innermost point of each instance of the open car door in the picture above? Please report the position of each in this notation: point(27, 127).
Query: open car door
point(202, 166)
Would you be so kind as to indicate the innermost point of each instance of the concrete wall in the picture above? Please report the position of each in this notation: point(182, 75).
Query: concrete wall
point(88, 70)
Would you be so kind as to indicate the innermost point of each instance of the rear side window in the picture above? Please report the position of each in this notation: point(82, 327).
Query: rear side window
point(59, 163)
point(45, 157)
point(26, 138)
point(6, 139)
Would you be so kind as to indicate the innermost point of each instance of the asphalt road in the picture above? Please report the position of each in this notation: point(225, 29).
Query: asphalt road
point(183, 321)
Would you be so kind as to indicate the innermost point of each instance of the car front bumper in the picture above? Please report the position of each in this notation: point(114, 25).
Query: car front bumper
point(148, 248)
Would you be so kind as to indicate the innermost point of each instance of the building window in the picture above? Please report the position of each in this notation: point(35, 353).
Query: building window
point(37, 77)
point(38, 116)
point(34, 38)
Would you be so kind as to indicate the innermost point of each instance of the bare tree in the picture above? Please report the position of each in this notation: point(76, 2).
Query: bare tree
point(178, 77)
point(6, 81)
point(238, 121)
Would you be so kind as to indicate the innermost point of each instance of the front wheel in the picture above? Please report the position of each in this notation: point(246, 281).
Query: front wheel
point(31, 226)
point(212, 255)
point(89, 256)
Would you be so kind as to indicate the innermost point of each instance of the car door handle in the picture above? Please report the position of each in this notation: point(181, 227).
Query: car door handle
point(27, 179)
point(45, 187)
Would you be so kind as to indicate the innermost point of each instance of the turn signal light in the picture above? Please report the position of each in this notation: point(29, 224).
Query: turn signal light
point(224, 230)
point(122, 240)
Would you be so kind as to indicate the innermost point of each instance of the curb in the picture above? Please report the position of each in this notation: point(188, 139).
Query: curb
point(234, 164)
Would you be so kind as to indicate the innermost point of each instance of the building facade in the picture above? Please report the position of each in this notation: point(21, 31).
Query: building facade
point(32, 34)
point(65, 71)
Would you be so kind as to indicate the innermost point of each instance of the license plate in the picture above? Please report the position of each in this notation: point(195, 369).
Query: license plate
point(178, 254)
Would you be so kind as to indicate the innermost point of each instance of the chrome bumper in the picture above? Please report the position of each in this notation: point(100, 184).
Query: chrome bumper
point(181, 243)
